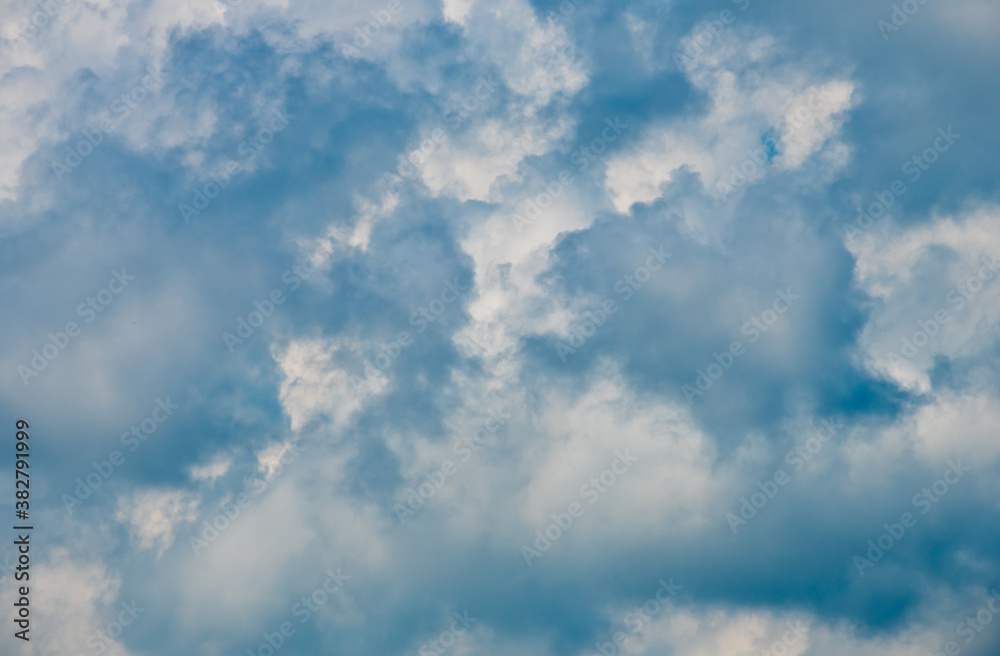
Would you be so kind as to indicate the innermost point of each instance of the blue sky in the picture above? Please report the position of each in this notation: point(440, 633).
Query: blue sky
point(548, 328)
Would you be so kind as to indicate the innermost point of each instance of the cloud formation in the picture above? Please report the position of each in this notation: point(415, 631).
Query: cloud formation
point(523, 327)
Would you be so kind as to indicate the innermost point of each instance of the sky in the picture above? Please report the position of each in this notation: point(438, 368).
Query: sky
point(448, 327)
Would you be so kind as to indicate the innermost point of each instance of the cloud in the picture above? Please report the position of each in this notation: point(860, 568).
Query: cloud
point(153, 515)
point(510, 239)
point(752, 91)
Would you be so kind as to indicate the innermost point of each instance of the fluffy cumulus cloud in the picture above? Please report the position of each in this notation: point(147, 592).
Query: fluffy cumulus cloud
point(547, 327)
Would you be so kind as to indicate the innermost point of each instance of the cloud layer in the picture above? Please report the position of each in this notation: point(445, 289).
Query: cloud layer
point(549, 328)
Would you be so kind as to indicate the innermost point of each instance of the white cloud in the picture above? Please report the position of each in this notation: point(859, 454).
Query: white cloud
point(958, 426)
point(153, 515)
point(536, 62)
point(921, 273)
point(314, 386)
point(71, 601)
point(211, 470)
point(752, 91)
point(716, 631)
